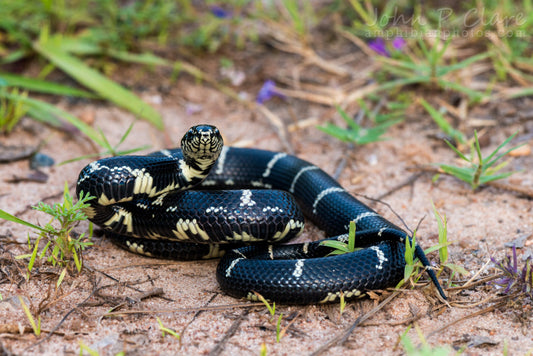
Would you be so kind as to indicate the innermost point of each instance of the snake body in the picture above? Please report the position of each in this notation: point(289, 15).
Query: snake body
point(144, 203)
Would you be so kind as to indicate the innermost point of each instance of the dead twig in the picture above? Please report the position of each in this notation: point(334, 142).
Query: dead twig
point(480, 312)
point(219, 347)
point(409, 181)
point(278, 124)
point(20, 329)
point(343, 336)
point(198, 312)
point(184, 310)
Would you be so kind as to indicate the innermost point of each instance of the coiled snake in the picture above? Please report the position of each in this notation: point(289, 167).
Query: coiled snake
point(144, 204)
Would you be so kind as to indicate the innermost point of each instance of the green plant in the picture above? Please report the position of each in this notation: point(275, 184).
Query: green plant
point(165, 330)
point(431, 59)
point(85, 348)
point(442, 247)
point(301, 16)
point(79, 39)
point(278, 328)
point(480, 170)
point(444, 125)
point(367, 23)
point(510, 42)
point(93, 352)
point(36, 326)
point(342, 303)
point(109, 149)
point(424, 349)
point(356, 133)
point(60, 248)
point(340, 247)
point(263, 349)
point(411, 266)
point(11, 110)
point(272, 311)
point(428, 68)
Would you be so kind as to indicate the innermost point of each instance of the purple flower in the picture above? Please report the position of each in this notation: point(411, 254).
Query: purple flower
point(378, 45)
point(398, 43)
point(267, 92)
point(219, 12)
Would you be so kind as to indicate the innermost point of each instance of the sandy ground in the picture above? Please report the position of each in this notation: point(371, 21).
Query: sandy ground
point(103, 307)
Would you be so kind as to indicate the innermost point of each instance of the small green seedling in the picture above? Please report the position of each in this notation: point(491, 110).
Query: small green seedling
point(480, 170)
point(271, 309)
point(279, 333)
point(110, 150)
point(444, 125)
point(411, 265)
point(165, 330)
point(443, 246)
point(86, 348)
point(356, 133)
point(342, 302)
point(11, 110)
point(263, 350)
point(36, 326)
point(424, 349)
point(340, 247)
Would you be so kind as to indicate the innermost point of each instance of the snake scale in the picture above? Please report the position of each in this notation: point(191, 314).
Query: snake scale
point(243, 201)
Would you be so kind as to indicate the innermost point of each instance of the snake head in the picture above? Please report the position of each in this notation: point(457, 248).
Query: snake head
point(202, 142)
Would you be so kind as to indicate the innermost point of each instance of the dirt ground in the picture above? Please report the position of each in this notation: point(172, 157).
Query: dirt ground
point(106, 308)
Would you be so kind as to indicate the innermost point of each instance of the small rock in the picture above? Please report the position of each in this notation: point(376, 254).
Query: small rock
point(519, 242)
point(41, 160)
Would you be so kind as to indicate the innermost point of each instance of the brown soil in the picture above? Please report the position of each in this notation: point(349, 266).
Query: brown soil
point(102, 307)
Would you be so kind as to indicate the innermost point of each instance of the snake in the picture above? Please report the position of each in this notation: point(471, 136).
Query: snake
point(206, 200)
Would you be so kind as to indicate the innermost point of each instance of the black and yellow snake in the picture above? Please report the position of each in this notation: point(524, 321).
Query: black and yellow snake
point(243, 196)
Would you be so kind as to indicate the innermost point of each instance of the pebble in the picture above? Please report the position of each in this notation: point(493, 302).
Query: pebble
point(41, 160)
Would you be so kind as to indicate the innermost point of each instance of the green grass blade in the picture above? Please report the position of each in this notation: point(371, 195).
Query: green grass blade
point(15, 56)
point(442, 123)
point(462, 64)
point(141, 58)
point(337, 132)
point(349, 121)
point(528, 91)
point(473, 94)
point(43, 86)
point(464, 174)
point(6, 216)
point(459, 153)
point(126, 134)
point(405, 69)
point(296, 16)
point(489, 161)
point(51, 110)
point(133, 150)
point(402, 82)
point(92, 79)
point(488, 178)
point(44, 116)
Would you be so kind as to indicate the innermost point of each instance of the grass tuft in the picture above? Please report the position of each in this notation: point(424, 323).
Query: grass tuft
point(480, 170)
